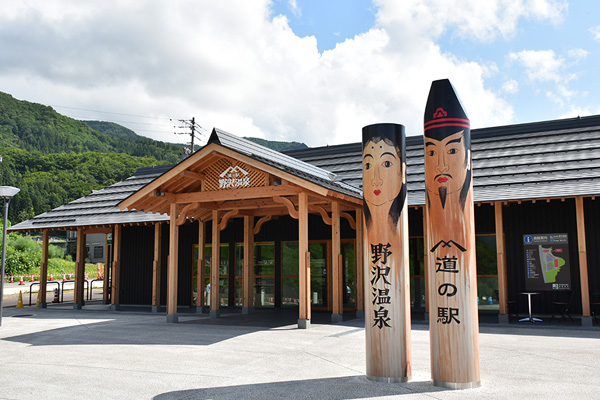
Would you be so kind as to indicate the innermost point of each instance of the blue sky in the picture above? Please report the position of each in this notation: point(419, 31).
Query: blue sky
point(333, 22)
point(305, 70)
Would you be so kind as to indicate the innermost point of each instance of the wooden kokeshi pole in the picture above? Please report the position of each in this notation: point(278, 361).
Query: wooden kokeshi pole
point(386, 261)
point(453, 318)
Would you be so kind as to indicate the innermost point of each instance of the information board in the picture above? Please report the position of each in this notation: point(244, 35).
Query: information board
point(547, 264)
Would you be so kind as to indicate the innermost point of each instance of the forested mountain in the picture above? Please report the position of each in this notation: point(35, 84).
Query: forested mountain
point(55, 159)
point(278, 146)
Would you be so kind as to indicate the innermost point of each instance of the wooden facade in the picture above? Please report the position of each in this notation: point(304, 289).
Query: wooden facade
point(272, 207)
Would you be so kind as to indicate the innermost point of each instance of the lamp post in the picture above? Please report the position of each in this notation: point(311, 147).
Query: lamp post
point(6, 192)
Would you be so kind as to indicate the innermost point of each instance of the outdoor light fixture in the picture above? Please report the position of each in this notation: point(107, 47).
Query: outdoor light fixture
point(6, 192)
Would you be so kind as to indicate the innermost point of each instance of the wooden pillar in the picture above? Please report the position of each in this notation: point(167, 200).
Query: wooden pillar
point(248, 266)
point(156, 267)
point(173, 265)
point(106, 273)
point(501, 262)
point(359, 264)
point(200, 261)
point(44, 269)
point(426, 262)
point(78, 299)
point(453, 317)
point(583, 269)
point(116, 268)
point(387, 305)
point(336, 264)
point(303, 263)
point(215, 262)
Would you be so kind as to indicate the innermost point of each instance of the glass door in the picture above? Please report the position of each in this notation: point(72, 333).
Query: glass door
point(264, 275)
point(318, 274)
point(223, 275)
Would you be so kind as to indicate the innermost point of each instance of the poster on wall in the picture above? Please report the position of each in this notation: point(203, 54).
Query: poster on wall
point(547, 264)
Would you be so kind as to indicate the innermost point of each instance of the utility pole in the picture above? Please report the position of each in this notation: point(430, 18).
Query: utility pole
point(193, 128)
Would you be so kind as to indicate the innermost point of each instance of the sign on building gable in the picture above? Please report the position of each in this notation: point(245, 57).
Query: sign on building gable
point(225, 174)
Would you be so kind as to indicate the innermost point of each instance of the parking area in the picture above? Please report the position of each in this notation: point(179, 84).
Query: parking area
point(58, 352)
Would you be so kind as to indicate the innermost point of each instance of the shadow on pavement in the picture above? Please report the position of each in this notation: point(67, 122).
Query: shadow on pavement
point(349, 387)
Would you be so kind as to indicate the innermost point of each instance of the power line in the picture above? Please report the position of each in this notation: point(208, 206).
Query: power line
point(193, 127)
point(109, 112)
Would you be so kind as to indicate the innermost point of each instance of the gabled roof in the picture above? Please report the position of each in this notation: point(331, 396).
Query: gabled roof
point(550, 159)
point(98, 208)
point(284, 162)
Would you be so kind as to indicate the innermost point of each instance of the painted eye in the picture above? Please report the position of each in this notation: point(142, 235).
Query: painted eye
point(431, 153)
point(387, 164)
point(368, 166)
point(452, 151)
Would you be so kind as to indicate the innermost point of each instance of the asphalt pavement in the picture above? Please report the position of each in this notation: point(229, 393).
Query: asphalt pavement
point(99, 354)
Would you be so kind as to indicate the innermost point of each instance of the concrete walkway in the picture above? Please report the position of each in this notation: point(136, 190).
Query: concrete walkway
point(62, 353)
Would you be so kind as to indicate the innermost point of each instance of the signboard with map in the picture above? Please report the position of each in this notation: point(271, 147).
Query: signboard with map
point(547, 264)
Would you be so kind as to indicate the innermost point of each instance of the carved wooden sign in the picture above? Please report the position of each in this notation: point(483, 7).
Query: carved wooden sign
point(386, 262)
point(224, 174)
point(453, 313)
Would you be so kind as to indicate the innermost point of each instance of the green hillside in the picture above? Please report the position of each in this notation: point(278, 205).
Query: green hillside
point(55, 159)
point(278, 146)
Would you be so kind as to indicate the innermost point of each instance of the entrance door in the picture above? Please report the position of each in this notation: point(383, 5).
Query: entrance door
point(318, 274)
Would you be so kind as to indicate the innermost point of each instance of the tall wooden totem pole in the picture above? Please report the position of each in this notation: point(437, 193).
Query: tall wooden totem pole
point(386, 262)
point(450, 241)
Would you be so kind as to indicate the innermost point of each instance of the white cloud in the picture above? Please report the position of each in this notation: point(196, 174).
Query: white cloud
point(233, 65)
point(595, 31)
point(540, 65)
point(472, 19)
point(510, 86)
point(295, 8)
point(578, 55)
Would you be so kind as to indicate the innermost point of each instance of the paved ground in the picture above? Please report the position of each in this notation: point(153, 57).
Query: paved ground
point(94, 353)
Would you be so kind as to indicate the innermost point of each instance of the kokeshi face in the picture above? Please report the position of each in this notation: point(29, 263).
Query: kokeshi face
point(387, 290)
point(450, 241)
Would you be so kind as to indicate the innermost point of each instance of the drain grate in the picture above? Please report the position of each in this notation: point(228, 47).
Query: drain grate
point(23, 315)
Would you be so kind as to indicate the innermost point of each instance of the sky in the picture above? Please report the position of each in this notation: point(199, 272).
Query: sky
point(314, 71)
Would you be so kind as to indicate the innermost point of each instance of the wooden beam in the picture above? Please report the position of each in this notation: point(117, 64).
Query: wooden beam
point(173, 265)
point(96, 229)
point(106, 275)
point(200, 261)
point(43, 268)
point(321, 210)
point(215, 261)
point(225, 220)
point(237, 194)
point(260, 223)
point(426, 260)
point(289, 205)
point(350, 220)
point(248, 266)
point(116, 267)
point(193, 175)
point(359, 261)
point(501, 259)
point(156, 265)
point(583, 267)
point(336, 264)
point(303, 263)
point(185, 210)
point(79, 270)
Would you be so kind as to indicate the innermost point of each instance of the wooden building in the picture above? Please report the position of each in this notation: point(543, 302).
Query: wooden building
point(298, 217)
